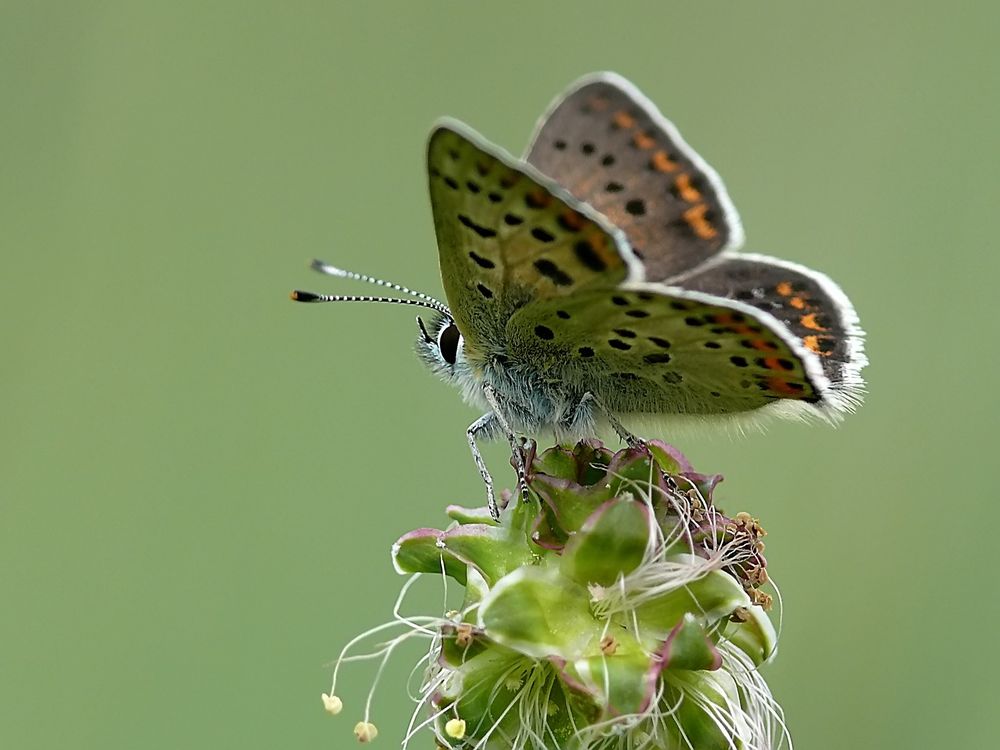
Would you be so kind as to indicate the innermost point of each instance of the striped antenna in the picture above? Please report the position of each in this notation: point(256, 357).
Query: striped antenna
point(432, 304)
point(326, 268)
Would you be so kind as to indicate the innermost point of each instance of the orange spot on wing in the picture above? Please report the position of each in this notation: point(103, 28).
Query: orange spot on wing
point(810, 322)
point(785, 388)
point(598, 240)
point(784, 289)
point(538, 198)
point(812, 344)
point(661, 162)
point(598, 103)
point(643, 141)
point(695, 218)
point(623, 119)
point(685, 189)
point(772, 363)
point(763, 346)
point(572, 220)
point(797, 302)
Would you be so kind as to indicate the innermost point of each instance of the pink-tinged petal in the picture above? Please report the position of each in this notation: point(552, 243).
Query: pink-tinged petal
point(568, 676)
point(688, 647)
point(611, 543)
point(492, 550)
point(422, 551)
point(567, 505)
point(558, 462)
point(669, 458)
point(706, 483)
point(544, 535)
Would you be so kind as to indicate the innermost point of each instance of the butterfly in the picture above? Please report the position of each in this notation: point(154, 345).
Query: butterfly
point(597, 280)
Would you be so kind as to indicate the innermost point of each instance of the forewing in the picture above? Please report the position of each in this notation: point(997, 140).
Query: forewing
point(665, 351)
point(610, 147)
point(808, 303)
point(507, 235)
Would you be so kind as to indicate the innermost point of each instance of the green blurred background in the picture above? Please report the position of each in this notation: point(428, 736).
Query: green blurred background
point(200, 480)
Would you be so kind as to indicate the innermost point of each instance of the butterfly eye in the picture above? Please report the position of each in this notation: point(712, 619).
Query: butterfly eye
point(448, 342)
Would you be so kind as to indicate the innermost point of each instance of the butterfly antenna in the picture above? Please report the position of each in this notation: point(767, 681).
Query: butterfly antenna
point(323, 267)
point(430, 303)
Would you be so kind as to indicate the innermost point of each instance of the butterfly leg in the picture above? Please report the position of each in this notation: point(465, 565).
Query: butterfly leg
point(516, 448)
point(484, 423)
point(627, 437)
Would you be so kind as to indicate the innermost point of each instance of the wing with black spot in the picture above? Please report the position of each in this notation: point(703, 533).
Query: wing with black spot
point(507, 235)
point(610, 147)
point(809, 303)
point(659, 350)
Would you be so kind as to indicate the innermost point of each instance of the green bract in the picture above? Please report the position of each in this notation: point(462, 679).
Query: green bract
point(614, 608)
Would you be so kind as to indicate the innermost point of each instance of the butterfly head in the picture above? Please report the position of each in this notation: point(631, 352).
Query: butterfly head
point(441, 346)
point(439, 343)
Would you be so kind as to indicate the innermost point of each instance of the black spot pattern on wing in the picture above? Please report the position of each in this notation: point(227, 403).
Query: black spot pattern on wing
point(617, 157)
point(658, 364)
point(795, 298)
point(507, 236)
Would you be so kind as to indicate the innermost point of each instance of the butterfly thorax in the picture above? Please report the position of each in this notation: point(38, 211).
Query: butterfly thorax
point(536, 388)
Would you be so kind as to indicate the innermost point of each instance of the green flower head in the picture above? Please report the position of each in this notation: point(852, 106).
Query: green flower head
point(614, 607)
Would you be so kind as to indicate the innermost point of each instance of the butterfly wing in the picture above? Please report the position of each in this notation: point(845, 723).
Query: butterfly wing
point(533, 273)
point(652, 349)
point(610, 147)
point(808, 303)
point(507, 236)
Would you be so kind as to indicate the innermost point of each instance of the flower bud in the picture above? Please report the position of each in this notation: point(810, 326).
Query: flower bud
point(332, 704)
point(455, 728)
point(365, 731)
